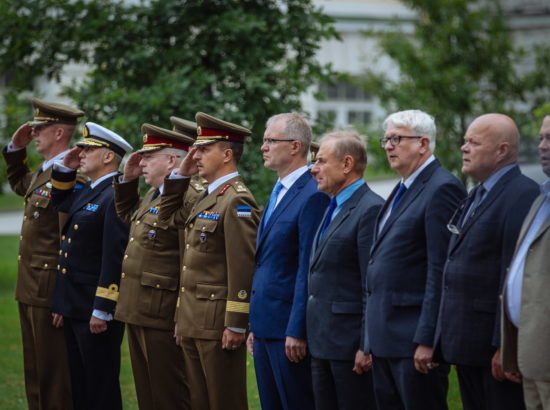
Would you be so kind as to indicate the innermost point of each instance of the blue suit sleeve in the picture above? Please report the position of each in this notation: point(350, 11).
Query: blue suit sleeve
point(309, 219)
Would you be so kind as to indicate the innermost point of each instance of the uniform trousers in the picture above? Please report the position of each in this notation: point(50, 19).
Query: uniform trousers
point(94, 363)
point(217, 377)
point(537, 394)
point(282, 384)
point(399, 386)
point(337, 387)
point(159, 369)
point(479, 390)
point(47, 382)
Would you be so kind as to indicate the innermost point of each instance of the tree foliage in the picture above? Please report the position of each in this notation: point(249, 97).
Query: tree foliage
point(242, 60)
point(460, 62)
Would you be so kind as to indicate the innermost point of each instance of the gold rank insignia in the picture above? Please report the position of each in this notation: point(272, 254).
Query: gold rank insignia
point(242, 294)
point(240, 188)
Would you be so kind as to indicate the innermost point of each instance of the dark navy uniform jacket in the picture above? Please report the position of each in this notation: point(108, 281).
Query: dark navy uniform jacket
point(92, 246)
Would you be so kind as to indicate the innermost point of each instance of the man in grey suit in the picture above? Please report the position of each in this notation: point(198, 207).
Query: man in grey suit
point(338, 265)
point(485, 229)
point(405, 268)
point(525, 339)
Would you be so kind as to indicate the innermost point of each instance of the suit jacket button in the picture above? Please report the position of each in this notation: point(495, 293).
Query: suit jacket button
point(63, 271)
point(75, 227)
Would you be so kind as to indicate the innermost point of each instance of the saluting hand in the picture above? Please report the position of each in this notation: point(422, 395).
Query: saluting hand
point(188, 165)
point(132, 170)
point(72, 159)
point(22, 137)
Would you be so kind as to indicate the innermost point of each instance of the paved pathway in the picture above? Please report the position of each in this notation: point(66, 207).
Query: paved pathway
point(10, 222)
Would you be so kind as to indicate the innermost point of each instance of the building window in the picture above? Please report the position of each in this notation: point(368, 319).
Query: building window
point(344, 91)
point(359, 117)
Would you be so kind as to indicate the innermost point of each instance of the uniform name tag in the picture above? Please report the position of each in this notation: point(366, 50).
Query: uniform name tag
point(209, 215)
point(91, 207)
point(244, 211)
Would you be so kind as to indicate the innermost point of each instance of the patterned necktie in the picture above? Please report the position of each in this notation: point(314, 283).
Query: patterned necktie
point(272, 202)
point(478, 196)
point(400, 192)
point(328, 217)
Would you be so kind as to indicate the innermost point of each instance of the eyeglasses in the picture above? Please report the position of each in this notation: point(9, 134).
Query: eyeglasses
point(271, 141)
point(395, 139)
point(452, 226)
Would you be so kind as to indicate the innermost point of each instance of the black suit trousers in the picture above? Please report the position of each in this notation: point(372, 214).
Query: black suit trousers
point(479, 390)
point(94, 364)
point(399, 386)
point(337, 387)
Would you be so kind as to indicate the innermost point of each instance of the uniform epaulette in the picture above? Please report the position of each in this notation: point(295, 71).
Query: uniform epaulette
point(224, 189)
point(239, 187)
point(198, 186)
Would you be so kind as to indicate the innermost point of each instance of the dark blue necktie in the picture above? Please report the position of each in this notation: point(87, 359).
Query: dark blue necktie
point(400, 192)
point(328, 217)
point(272, 201)
point(478, 196)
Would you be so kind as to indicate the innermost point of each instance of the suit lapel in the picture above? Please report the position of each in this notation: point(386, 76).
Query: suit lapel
point(210, 200)
point(147, 204)
point(493, 194)
point(408, 198)
point(545, 225)
point(344, 213)
point(39, 180)
point(279, 210)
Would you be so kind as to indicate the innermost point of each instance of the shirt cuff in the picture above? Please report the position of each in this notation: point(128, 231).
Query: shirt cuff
point(237, 329)
point(174, 175)
point(100, 314)
point(10, 147)
point(58, 166)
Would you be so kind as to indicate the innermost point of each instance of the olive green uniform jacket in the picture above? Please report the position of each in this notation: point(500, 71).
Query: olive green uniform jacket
point(39, 240)
point(218, 261)
point(151, 266)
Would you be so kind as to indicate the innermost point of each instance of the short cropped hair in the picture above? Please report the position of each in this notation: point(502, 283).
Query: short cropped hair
point(348, 142)
point(236, 147)
point(296, 128)
point(419, 122)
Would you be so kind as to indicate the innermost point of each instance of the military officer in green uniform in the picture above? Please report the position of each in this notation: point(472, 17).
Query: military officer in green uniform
point(150, 269)
point(45, 364)
point(218, 264)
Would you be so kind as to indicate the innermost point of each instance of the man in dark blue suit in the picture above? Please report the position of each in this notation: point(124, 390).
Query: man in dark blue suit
point(405, 268)
point(485, 229)
point(92, 246)
point(279, 289)
point(338, 266)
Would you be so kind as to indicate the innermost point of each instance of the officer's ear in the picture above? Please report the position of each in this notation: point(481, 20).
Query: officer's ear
point(108, 156)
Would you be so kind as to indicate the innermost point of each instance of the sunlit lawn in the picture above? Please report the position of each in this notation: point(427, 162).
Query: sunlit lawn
point(12, 389)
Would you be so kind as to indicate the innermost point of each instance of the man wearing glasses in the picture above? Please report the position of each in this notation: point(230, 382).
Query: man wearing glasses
point(279, 289)
point(405, 268)
point(149, 281)
point(480, 251)
point(46, 369)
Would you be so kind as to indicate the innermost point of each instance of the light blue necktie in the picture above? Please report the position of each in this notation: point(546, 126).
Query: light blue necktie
point(400, 192)
point(272, 201)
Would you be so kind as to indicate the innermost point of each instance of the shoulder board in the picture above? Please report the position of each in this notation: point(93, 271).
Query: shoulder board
point(197, 186)
point(239, 187)
point(224, 189)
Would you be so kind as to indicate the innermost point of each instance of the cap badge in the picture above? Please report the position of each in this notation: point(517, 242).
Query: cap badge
point(85, 131)
point(242, 294)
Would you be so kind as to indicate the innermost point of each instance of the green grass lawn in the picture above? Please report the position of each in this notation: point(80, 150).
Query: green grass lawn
point(10, 202)
point(12, 388)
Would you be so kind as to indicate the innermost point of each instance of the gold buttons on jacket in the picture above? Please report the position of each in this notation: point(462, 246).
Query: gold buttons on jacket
point(69, 240)
point(182, 289)
point(58, 267)
point(66, 254)
point(25, 217)
point(154, 224)
point(18, 257)
point(20, 237)
point(212, 296)
point(123, 275)
point(60, 251)
point(132, 239)
point(157, 286)
point(46, 265)
point(191, 225)
point(62, 237)
point(63, 271)
point(126, 256)
point(75, 227)
point(137, 222)
point(184, 267)
point(187, 246)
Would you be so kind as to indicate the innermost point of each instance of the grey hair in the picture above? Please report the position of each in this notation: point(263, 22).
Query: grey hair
point(296, 128)
point(419, 122)
point(348, 142)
